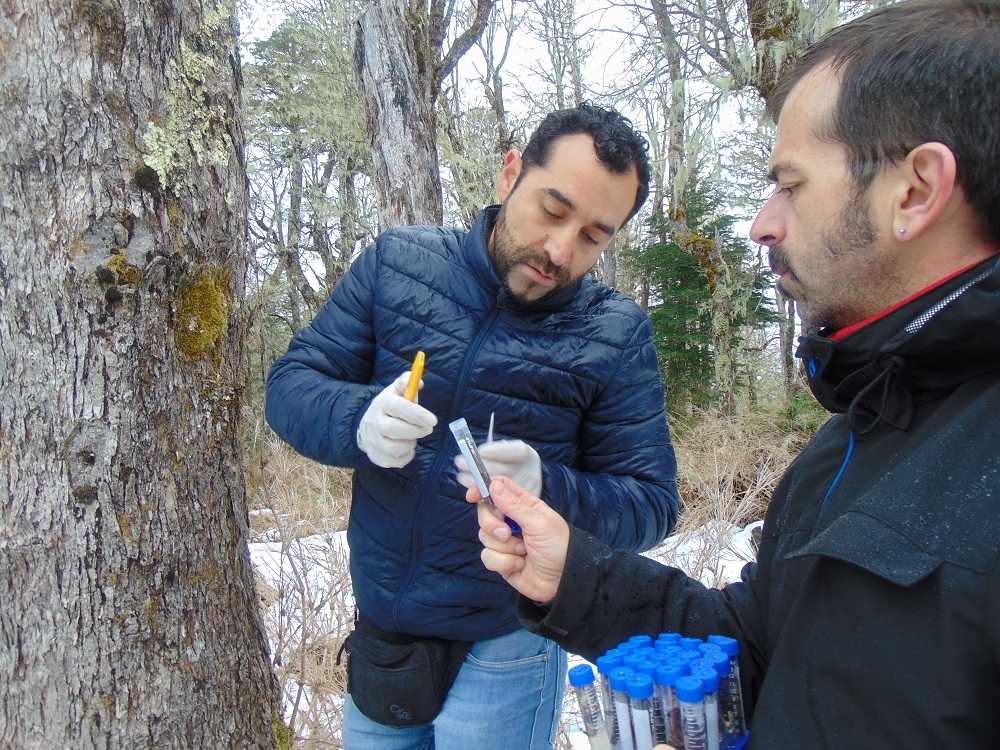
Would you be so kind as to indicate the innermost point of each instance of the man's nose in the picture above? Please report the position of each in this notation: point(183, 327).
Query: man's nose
point(559, 248)
point(768, 228)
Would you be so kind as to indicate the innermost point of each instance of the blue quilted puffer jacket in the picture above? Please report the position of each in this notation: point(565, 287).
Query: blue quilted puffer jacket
point(574, 375)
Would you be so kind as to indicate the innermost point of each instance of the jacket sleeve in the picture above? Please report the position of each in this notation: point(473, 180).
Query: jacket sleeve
point(319, 390)
point(623, 487)
point(613, 595)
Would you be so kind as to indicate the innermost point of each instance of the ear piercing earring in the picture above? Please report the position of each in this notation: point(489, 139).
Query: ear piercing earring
point(901, 230)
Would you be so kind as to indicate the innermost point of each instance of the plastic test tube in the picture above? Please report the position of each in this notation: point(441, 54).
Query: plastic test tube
point(710, 684)
point(612, 659)
point(719, 662)
point(581, 679)
point(690, 695)
point(731, 692)
point(470, 452)
point(619, 688)
point(640, 693)
point(666, 679)
point(655, 712)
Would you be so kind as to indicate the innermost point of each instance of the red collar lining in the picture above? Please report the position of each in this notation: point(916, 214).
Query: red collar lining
point(843, 333)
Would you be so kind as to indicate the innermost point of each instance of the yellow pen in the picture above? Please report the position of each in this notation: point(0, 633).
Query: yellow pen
point(416, 372)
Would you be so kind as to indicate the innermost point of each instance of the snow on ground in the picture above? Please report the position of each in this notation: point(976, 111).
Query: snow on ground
point(311, 574)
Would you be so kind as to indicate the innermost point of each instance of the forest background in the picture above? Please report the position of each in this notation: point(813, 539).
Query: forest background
point(178, 199)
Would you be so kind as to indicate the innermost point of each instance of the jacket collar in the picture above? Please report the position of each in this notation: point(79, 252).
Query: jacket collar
point(477, 256)
point(924, 346)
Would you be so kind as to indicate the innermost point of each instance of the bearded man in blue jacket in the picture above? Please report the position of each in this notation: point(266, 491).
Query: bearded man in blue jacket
point(513, 326)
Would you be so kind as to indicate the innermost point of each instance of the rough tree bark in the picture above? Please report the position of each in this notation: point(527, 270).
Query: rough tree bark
point(780, 31)
point(129, 615)
point(400, 64)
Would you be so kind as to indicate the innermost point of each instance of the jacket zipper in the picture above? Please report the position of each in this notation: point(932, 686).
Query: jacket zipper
point(432, 478)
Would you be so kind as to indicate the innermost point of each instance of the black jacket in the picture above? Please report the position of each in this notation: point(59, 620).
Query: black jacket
point(871, 618)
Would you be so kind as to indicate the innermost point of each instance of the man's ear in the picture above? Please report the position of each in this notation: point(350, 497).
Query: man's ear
point(509, 173)
point(929, 176)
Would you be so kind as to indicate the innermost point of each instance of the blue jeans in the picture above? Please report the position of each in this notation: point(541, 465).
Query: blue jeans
point(507, 696)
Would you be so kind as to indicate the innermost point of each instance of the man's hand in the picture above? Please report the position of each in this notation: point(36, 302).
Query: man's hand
point(507, 458)
point(389, 430)
point(532, 563)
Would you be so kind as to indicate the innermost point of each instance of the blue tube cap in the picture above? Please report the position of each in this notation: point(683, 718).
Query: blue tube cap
point(581, 675)
point(689, 689)
point(674, 638)
point(633, 660)
point(619, 677)
point(626, 647)
point(710, 648)
point(708, 676)
point(669, 650)
point(730, 646)
point(641, 640)
point(719, 662)
point(640, 686)
point(609, 661)
point(646, 667)
point(690, 644)
point(668, 674)
point(681, 664)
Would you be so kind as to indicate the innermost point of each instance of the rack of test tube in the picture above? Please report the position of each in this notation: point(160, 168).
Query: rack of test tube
point(683, 692)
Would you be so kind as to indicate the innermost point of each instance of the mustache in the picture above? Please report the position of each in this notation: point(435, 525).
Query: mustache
point(542, 263)
point(778, 260)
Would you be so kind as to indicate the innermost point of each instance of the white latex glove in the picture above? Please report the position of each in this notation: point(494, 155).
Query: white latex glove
point(507, 458)
point(389, 430)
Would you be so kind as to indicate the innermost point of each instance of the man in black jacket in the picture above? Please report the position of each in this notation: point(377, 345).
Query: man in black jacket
point(871, 617)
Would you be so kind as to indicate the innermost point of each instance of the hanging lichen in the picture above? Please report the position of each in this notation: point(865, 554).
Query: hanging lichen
point(202, 313)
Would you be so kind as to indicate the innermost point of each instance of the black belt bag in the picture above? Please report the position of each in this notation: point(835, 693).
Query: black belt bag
point(400, 680)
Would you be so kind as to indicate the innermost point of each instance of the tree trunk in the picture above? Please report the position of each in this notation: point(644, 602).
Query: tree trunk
point(786, 337)
point(781, 30)
point(397, 86)
point(609, 263)
point(348, 199)
point(129, 615)
point(299, 289)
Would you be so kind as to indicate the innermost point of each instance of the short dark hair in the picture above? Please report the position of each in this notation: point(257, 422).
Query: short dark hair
point(617, 143)
point(912, 73)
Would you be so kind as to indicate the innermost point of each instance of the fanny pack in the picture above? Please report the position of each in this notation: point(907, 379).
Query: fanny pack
point(400, 680)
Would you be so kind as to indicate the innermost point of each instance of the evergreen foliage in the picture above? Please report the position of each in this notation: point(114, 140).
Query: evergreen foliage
point(681, 289)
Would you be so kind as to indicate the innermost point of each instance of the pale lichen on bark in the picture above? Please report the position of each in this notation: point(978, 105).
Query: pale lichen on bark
point(195, 131)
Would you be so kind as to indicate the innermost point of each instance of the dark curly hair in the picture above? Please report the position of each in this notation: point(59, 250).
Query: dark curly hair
point(618, 145)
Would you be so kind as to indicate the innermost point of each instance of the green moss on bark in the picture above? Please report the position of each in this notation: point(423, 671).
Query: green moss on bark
point(125, 272)
point(202, 313)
